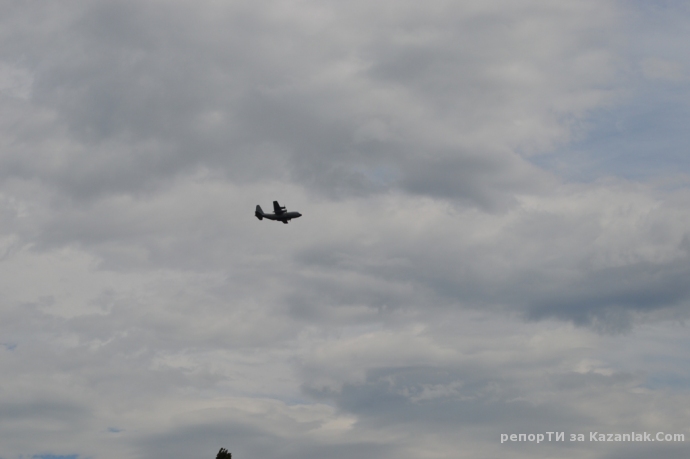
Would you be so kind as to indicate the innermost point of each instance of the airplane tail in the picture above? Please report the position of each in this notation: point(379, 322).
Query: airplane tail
point(259, 213)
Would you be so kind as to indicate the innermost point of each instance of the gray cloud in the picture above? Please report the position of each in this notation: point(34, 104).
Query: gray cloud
point(446, 283)
point(138, 93)
point(247, 441)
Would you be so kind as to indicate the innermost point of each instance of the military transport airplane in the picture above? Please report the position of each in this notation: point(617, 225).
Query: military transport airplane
point(280, 213)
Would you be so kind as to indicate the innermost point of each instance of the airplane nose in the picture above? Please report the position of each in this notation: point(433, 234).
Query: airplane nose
point(299, 214)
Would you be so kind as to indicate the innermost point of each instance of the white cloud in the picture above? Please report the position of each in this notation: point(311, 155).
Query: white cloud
point(440, 289)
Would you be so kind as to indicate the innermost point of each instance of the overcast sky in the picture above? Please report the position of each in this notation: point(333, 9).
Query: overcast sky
point(495, 235)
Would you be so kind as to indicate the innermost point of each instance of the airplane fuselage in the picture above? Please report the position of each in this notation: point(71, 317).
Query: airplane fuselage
point(284, 217)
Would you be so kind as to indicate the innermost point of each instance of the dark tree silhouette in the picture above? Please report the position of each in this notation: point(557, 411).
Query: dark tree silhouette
point(223, 454)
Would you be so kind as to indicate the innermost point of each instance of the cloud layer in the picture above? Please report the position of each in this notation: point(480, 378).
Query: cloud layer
point(494, 240)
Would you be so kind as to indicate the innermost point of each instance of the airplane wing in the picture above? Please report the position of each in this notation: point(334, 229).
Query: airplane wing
point(277, 209)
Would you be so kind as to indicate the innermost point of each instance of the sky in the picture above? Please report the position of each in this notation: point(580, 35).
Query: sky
point(495, 236)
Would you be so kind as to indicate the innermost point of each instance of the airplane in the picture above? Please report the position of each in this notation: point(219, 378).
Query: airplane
point(279, 215)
